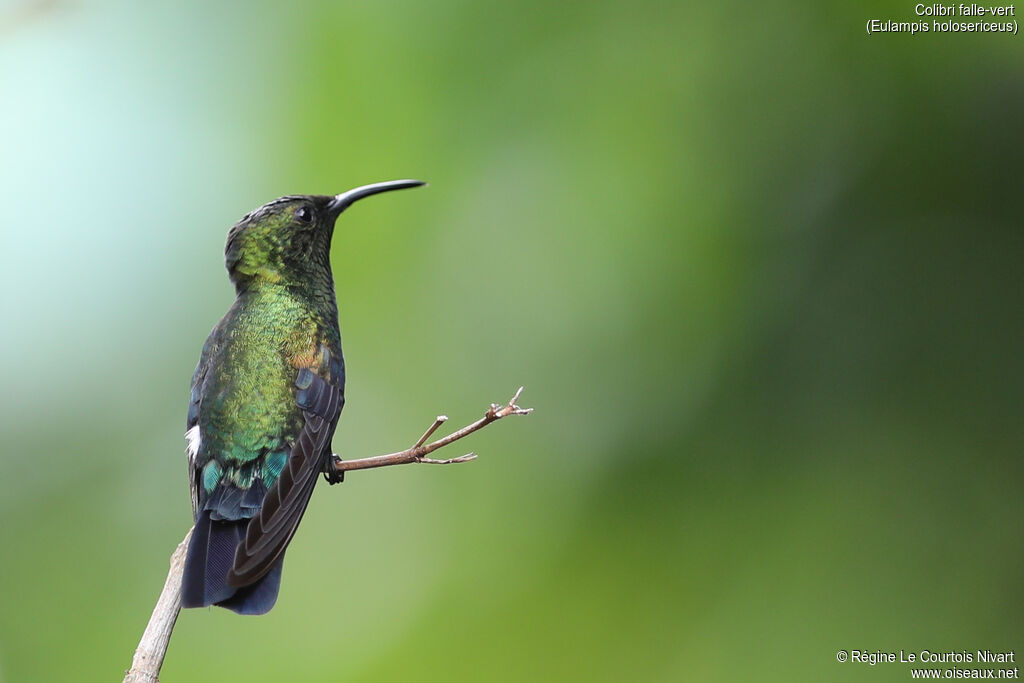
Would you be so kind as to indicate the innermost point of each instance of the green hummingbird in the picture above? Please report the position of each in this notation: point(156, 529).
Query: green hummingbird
point(266, 397)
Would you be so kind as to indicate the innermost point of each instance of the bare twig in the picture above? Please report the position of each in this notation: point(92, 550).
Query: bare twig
point(438, 421)
point(149, 655)
point(420, 450)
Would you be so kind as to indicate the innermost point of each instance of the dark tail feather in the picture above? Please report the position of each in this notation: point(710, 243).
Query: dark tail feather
point(259, 597)
point(211, 552)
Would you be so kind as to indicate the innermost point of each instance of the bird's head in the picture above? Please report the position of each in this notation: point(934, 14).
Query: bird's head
point(289, 239)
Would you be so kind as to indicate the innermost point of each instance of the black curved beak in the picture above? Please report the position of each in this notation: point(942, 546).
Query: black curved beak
point(346, 199)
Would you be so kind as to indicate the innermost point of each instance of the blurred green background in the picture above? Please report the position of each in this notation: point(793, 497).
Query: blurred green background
point(759, 272)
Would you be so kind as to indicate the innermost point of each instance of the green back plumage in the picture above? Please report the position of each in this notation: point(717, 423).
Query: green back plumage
point(250, 386)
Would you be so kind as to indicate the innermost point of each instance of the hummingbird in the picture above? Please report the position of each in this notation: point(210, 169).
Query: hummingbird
point(265, 401)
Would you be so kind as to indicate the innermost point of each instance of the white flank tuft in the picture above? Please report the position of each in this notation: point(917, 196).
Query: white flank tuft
point(194, 439)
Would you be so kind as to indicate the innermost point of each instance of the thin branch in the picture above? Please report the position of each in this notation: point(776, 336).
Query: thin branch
point(438, 421)
point(149, 655)
point(420, 450)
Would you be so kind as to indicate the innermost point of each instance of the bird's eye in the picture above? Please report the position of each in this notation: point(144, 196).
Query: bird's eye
point(304, 214)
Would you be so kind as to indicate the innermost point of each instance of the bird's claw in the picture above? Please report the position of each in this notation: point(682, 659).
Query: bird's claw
point(331, 473)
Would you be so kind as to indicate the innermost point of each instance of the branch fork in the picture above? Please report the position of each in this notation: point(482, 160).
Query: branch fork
point(419, 451)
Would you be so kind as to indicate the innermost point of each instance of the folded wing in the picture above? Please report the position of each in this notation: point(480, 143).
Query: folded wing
point(270, 531)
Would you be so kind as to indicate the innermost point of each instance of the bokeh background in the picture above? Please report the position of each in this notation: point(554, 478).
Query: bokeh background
point(759, 272)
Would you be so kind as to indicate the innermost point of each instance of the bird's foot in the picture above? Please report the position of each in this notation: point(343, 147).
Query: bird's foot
point(331, 473)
